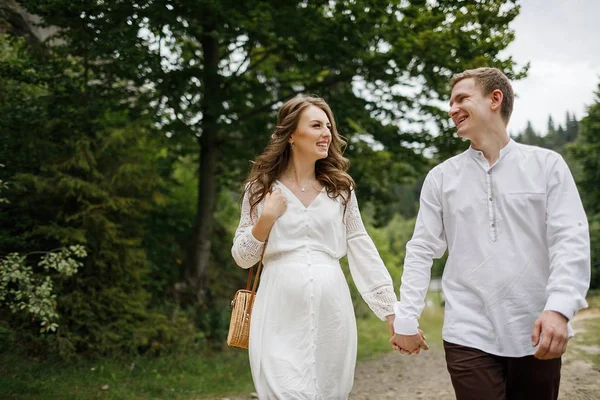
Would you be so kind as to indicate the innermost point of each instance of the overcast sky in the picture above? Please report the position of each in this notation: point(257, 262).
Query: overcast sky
point(561, 39)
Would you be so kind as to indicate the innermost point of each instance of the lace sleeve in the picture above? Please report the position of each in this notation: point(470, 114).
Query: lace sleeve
point(370, 275)
point(246, 248)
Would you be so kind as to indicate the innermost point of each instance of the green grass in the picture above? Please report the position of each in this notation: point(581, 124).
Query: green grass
point(186, 377)
point(586, 343)
point(593, 298)
point(373, 334)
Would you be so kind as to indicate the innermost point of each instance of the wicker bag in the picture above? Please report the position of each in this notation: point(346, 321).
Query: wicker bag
point(241, 310)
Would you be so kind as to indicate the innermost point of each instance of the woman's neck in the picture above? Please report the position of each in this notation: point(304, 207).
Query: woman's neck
point(299, 170)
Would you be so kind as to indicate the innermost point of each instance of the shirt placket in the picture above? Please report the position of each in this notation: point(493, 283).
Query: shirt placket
point(311, 293)
point(493, 228)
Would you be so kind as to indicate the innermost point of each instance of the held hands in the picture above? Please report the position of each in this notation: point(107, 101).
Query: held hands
point(550, 333)
point(409, 344)
point(275, 204)
point(406, 344)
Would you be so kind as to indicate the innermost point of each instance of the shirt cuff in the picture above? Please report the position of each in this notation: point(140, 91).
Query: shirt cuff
point(405, 326)
point(570, 331)
point(560, 303)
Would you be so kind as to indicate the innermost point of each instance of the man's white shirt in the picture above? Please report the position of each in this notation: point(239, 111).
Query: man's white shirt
point(518, 244)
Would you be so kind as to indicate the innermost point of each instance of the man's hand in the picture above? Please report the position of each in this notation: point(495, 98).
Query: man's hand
point(411, 344)
point(550, 333)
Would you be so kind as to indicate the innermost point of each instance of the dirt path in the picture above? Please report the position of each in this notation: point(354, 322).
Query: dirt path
point(425, 377)
point(394, 376)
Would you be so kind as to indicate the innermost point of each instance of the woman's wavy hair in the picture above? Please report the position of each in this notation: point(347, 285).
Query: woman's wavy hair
point(329, 171)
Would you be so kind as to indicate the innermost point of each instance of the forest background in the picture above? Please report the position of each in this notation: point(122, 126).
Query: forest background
point(126, 130)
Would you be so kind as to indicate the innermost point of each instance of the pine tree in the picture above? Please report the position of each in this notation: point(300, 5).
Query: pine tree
point(571, 128)
point(234, 62)
point(529, 136)
point(551, 128)
point(586, 151)
point(83, 168)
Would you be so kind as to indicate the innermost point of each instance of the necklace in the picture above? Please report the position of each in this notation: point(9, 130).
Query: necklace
point(302, 188)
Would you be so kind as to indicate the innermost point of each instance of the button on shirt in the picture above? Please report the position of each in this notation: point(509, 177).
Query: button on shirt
point(518, 244)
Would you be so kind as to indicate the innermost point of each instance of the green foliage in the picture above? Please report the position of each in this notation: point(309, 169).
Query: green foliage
point(586, 151)
point(594, 222)
point(168, 226)
point(554, 138)
point(90, 110)
point(89, 178)
point(3, 187)
point(22, 289)
point(217, 71)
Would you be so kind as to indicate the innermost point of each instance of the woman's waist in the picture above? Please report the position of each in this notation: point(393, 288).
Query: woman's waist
point(305, 256)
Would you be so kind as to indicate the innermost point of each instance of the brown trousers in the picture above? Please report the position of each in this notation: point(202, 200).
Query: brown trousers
point(477, 375)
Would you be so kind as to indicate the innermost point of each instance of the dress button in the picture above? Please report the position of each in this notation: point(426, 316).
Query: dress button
point(490, 199)
point(493, 225)
point(489, 172)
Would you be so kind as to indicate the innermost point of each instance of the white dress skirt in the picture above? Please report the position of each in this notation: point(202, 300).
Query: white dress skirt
point(303, 330)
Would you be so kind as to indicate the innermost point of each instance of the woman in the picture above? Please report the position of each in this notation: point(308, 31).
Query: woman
point(299, 196)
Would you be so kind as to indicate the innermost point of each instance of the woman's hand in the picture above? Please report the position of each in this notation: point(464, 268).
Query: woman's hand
point(274, 205)
point(390, 319)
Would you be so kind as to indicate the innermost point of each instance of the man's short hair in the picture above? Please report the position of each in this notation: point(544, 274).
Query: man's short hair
point(490, 79)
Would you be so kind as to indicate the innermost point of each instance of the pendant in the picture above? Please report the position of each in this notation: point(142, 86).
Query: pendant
point(302, 189)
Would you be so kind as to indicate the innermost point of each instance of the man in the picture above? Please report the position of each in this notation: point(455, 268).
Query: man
point(518, 264)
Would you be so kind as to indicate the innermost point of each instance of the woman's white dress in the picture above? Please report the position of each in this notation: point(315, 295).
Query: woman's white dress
point(303, 328)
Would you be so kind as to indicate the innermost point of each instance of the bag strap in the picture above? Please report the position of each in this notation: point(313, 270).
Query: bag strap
point(251, 270)
point(250, 304)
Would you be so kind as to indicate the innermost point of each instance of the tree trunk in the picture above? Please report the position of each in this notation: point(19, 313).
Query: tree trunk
point(207, 174)
point(207, 194)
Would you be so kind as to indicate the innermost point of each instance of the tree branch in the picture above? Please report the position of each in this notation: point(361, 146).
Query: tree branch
point(325, 83)
point(266, 54)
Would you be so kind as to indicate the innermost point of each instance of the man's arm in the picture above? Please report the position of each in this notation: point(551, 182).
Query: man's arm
point(568, 239)
point(428, 242)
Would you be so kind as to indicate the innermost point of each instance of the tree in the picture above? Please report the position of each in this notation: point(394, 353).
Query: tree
point(219, 69)
point(82, 166)
point(551, 127)
point(571, 128)
point(530, 136)
point(586, 152)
